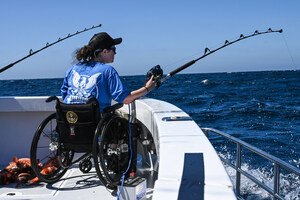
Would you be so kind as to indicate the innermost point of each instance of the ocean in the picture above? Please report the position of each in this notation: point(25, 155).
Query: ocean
point(261, 108)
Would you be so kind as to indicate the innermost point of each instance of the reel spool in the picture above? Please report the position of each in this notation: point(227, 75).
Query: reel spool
point(157, 72)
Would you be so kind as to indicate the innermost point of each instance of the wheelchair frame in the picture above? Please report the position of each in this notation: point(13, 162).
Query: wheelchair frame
point(110, 151)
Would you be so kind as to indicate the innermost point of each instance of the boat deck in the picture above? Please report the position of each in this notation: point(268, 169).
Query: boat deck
point(184, 162)
point(74, 185)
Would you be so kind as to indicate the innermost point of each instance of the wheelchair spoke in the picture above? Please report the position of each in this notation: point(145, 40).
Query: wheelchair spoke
point(113, 149)
point(44, 148)
point(48, 136)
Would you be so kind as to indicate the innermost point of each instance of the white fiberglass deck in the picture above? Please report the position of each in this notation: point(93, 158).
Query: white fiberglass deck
point(175, 139)
point(74, 185)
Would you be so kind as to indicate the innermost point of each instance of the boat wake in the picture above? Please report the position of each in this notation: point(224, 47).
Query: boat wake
point(289, 183)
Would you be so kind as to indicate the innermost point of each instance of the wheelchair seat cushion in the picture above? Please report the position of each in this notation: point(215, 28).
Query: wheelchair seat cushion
point(76, 124)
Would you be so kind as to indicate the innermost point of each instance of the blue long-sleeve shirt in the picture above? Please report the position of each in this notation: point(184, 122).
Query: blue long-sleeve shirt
point(85, 80)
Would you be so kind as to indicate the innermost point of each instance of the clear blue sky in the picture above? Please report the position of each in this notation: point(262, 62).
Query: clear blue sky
point(165, 32)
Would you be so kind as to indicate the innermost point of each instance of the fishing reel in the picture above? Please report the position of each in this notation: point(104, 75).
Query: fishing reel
point(157, 72)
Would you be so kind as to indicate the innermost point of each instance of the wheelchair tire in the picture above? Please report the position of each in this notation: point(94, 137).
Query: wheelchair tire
point(96, 154)
point(111, 151)
point(44, 152)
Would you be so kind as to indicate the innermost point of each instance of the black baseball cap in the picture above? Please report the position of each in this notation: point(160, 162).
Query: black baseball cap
point(103, 41)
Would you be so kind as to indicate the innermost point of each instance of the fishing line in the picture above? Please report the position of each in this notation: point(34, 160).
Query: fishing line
point(287, 46)
point(31, 52)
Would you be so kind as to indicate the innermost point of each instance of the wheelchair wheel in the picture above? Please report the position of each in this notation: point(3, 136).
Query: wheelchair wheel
point(86, 165)
point(111, 151)
point(45, 149)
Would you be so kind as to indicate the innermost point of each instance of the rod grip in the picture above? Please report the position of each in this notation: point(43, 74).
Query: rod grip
point(182, 67)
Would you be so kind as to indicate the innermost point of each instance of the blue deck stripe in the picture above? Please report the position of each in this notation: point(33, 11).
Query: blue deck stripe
point(192, 183)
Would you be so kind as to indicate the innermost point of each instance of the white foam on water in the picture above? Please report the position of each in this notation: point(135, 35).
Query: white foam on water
point(289, 183)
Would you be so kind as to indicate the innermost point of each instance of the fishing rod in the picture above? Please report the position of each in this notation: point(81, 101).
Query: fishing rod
point(31, 52)
point(157, 72)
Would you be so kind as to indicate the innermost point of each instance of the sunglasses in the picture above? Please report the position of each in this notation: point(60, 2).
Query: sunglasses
point(112, 48)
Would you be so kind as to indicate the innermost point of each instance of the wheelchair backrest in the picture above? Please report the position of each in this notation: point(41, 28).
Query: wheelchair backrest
point(76, 124)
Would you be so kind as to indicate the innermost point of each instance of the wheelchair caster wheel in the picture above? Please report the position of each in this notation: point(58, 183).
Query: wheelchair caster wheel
point(86, 165)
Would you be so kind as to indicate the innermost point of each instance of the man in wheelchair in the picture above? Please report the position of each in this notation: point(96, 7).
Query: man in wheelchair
point(85, 122)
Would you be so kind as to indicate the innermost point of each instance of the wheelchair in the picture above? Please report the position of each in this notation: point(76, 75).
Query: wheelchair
point(81, 128)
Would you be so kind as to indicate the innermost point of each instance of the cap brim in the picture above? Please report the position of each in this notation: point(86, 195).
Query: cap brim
point(117, 41)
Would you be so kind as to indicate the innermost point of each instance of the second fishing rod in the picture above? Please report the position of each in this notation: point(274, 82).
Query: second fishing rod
point(157, 72)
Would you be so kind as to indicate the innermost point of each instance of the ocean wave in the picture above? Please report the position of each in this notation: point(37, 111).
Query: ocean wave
point(289, 183)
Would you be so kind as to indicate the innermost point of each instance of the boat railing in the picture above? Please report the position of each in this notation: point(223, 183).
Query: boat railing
point(278, 164)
